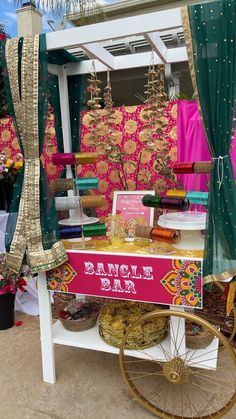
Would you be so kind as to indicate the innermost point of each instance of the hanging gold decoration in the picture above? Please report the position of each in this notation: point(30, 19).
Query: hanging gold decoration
point(156, 122)
point(111, 146)
point(94, 103)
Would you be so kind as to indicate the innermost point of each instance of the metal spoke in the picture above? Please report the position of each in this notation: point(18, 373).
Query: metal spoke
point(151, 358)
point(214, 379)
point(181, 344)
point(190, 403)
point(182, 403)
point(156, 395)
point(173, 401)
point(201, 355)
point(144, 372)
point(143, 375)
point(206, 398)
point(138, 360)
point(167, 354)
point(168, 387)
point(177, 353)
point(203, 388)
point(205, 360)
point(186, 353)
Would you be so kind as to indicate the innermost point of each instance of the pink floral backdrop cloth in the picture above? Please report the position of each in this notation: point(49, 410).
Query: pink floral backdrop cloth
point(183, 121)
point(130, 127)
point(9, 143)
point(192, 145)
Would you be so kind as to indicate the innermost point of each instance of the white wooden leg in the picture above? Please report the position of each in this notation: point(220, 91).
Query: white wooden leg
point(177, 333)
point(46, 334)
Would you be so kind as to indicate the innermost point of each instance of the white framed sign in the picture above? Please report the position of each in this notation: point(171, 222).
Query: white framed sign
point(129, 204)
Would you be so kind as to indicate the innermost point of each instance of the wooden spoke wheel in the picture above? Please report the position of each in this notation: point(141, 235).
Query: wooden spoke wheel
point(182, 377)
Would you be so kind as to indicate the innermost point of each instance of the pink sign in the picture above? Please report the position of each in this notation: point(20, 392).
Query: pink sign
point(131, 277)
point(129, 204)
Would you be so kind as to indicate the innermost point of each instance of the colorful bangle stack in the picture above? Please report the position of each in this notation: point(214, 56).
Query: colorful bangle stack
point(165, 235)
point(74, 158)
point(203, 167)
point(182, 168)
point(61, 185)
point(92, 201)
point(176, 193)
point(178, 204)
point(158, 234)
point(87, 183)
point(88, 231)
point(94, 230)
point(85, 158)
point(196, 197)
point(63, 159)
point(64, 203)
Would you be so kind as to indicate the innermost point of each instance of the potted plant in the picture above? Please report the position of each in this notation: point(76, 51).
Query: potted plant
point(9, 283)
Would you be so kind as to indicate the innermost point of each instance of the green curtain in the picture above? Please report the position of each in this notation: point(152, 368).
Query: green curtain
point(54, 99)
point(47, 211)
point(14, 207)
point(213, 33)
point(75, 87)
point(76, 91)
point(60, 57)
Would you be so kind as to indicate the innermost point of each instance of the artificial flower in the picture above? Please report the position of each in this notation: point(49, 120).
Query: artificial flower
point(11, 281)
point(9, 169)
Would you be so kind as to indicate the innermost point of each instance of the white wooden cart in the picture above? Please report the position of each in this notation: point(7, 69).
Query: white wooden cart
point(189, 375)
point(170, 379)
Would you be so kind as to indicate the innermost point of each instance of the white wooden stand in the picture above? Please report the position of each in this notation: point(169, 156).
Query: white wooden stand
point(149, 25)
point(90, 339)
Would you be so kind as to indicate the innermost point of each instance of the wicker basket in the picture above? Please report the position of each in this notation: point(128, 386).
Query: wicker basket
point(199, 340)
point(79, 324)
point(116, 317)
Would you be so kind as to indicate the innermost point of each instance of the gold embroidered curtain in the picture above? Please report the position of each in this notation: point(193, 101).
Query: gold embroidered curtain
point(32, 229)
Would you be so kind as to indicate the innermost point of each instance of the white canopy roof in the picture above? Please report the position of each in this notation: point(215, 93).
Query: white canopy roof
point(91, 39)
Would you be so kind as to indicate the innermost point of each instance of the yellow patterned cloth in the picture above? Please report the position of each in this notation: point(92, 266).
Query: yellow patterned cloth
point(139, 246)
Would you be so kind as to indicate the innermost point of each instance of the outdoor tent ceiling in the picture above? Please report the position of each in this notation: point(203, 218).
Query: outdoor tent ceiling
point(91, 39)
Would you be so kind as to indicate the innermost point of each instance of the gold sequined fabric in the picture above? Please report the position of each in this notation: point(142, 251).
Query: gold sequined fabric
point(28, 235)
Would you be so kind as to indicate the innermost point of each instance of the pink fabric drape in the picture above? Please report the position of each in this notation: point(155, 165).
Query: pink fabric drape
point(192, 144)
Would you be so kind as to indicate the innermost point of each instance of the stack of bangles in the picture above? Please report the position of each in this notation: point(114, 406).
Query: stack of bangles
point(159, 234)
point(200, 167)
point(194, 197)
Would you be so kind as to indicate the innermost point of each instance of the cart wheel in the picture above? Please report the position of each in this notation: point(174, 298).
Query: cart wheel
point(179, 378)
point(216, 317)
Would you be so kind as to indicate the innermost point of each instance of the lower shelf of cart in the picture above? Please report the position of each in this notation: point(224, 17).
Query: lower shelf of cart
point(90, 339)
